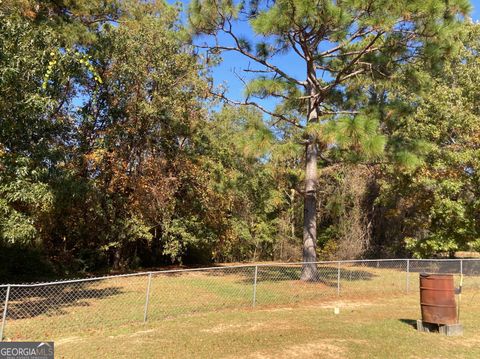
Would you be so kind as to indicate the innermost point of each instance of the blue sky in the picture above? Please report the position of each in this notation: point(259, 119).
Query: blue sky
point(233, 63)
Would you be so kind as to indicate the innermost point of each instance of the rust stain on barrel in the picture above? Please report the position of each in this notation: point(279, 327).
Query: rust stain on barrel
point(437, 298)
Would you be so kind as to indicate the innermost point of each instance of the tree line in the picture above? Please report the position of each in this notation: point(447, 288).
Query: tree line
point(117, 151)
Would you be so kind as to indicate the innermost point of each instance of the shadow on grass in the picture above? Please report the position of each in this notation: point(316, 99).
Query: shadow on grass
point(327, 275)
point(410, 322)
point(30, 302)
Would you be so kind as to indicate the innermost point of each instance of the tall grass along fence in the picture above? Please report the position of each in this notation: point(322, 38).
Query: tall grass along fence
point(42, 311)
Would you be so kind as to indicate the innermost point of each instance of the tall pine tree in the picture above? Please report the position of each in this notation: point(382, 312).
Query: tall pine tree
point(337, 44)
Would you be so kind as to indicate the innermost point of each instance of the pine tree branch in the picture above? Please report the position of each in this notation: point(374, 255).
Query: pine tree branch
point(294, 43)
point(339, 79)
point(248, 102)
point(341, 112)
point(259, 71)
point(243, 51)
point(355, 35)
point(350, 53)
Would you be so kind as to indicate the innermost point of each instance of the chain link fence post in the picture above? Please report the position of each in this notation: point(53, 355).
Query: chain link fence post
point(338, 278)
point(461, 266)
point(5, 310)
point(255, 286)
point(147, 298)
point(408, 276)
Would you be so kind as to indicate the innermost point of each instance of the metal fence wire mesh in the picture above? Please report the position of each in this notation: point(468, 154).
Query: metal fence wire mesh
point(49, 310)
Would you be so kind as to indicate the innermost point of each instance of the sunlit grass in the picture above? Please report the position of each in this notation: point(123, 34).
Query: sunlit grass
point(376, 328)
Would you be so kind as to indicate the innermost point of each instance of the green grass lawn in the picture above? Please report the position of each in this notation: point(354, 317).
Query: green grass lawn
point(210, 314)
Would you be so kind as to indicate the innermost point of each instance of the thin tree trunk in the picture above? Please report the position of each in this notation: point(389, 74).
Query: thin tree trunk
point(117, 258)
point(292, 214)
point(309, 271)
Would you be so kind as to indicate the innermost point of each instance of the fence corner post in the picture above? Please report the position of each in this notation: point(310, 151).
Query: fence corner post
point(338, 278)
point(147, 297)
point(5, 310)
point(408, 276)
point(255, 286)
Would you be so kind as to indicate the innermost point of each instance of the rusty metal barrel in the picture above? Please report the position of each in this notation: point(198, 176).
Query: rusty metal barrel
point(437, 298)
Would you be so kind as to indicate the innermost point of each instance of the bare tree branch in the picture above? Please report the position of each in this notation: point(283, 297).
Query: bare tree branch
point(256, 105)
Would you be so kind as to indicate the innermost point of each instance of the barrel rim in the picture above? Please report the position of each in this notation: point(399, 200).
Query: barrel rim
point(426, 274)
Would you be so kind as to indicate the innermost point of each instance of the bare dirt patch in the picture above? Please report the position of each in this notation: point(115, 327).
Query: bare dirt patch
point(345, 304)
point(324, 305)
point(470, 342)
point(326, 348)
point(248, 327)
point(68, 340)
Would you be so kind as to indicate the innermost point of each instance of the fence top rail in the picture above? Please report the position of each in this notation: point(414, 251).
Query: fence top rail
point(227, 267)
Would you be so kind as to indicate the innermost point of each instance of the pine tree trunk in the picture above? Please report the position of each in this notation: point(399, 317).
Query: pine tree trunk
point(310, 271)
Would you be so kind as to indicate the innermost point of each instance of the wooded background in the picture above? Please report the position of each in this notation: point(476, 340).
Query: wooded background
point(118, 152)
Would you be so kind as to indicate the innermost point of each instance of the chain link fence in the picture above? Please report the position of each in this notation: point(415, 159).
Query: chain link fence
point(44, 311)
